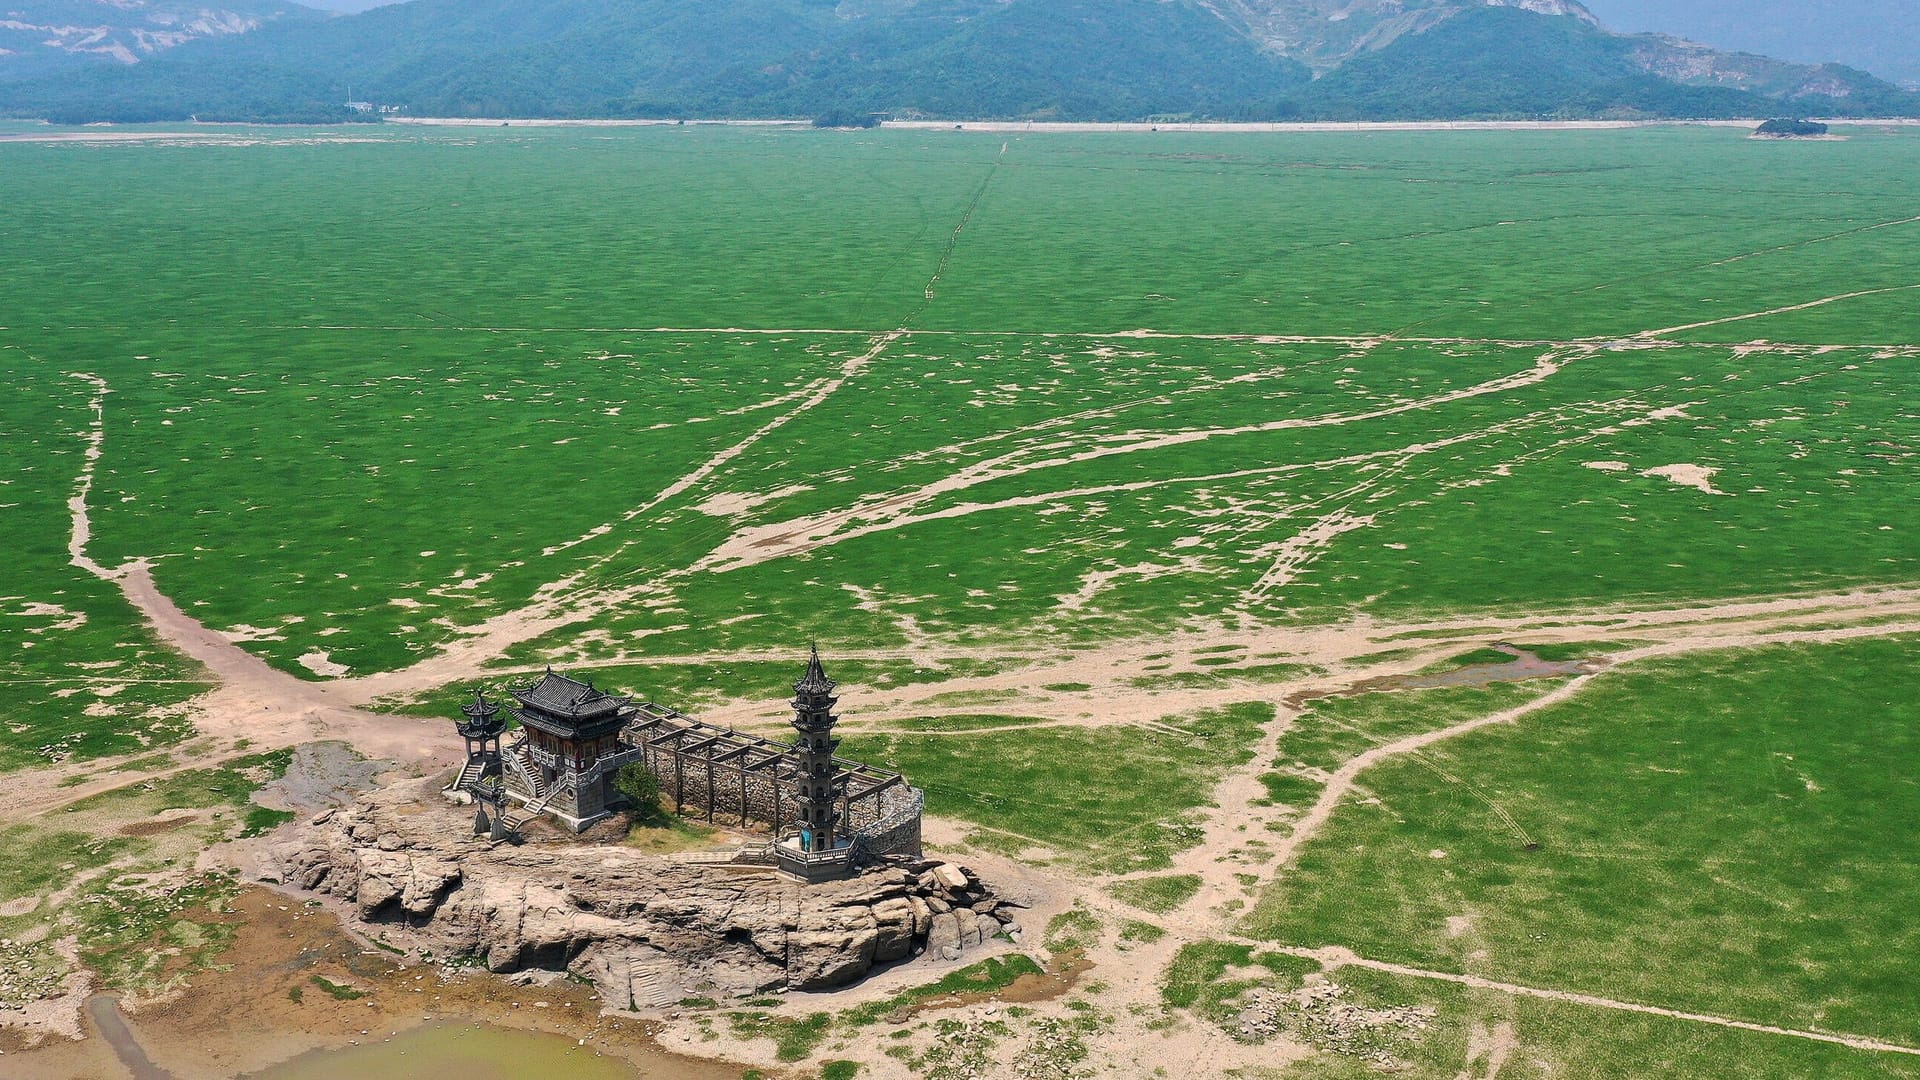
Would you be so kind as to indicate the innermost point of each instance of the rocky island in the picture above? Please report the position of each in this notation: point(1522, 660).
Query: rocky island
point(647, 930)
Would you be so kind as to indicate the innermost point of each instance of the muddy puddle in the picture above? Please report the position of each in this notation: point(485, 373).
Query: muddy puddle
point(435, 1051)
point(448, 1051)
point(295, 998)
point(104, 1010)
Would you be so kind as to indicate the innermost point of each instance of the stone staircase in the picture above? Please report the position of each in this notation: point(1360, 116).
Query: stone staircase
point(650, 990)
point(526, 812)
point(529, 776)
point(470, 775)
point(524, 768)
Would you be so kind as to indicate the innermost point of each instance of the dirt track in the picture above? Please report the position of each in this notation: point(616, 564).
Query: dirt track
point(269, 708)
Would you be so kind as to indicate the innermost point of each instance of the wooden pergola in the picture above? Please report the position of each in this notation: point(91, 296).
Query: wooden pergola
point(744, 775)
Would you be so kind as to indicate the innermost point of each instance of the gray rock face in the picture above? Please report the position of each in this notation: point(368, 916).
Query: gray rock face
point(645, 929)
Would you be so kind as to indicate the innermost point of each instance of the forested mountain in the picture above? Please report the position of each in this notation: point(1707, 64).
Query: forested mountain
point(1062, 59)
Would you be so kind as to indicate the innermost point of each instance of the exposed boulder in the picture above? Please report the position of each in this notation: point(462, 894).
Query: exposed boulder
point(645, 929)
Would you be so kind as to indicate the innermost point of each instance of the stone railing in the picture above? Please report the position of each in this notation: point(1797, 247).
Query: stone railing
point(607, 763)
point(811, 866)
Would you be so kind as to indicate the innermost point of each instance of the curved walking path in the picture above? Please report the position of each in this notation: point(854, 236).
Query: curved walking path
point(1338, 957)
point(1342, 782)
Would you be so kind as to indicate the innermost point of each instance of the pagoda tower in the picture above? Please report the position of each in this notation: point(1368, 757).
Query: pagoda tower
point(818, 786)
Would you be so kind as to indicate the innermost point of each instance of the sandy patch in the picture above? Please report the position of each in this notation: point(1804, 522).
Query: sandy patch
point(320, 663)
point(1098, 581)
point(53, 1019)
point(1607, 466)
point(731, 503)
point(69, 620)
point(1693, 476)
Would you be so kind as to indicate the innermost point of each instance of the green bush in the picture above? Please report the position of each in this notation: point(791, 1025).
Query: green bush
point(641, 788)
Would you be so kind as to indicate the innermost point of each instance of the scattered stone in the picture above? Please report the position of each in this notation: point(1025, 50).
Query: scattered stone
point(1320, 1013)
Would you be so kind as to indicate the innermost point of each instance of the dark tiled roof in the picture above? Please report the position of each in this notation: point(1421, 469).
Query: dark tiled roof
point(480, 718)
point(561, 697)
point(815, 681)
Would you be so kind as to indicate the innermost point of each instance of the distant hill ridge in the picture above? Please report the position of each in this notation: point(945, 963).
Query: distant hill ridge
point(952, 59)
point(39, 36)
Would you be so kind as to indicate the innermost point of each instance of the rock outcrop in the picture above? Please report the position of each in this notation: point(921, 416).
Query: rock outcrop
point(647, 930)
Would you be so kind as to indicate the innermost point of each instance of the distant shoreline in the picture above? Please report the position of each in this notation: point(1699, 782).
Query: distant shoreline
point(1065, 126)
point(210, 131)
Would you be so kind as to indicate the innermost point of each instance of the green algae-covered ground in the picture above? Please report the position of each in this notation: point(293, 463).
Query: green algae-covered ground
point(931, 398)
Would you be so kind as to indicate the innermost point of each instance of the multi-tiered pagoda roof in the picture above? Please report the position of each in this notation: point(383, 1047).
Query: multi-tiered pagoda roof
point(569, 708)
point(480, 718)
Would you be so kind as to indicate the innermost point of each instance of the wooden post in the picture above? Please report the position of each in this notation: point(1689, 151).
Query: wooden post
point(712, 795)
point(679, 778)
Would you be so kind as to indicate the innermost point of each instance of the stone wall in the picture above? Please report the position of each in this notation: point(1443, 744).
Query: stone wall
point(725, 798)
point(881, 821)
point(893, 826)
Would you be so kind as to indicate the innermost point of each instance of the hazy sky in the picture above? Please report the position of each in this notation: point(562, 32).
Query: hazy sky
point(1882, 36)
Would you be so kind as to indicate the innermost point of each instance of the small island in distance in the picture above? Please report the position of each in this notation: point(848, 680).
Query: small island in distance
point(1783, 128)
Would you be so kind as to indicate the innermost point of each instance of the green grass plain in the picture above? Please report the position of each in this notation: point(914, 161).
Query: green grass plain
point(1712, 836)
point(1107, 799)
point(366, 394)
point(327, 360)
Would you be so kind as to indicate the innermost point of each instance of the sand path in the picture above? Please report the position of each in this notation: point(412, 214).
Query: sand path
point(96, 439)
point(1344, 780)
point(761, 543)
point(1334, 958)
point(253, 707)
point(1789, 309)
point(1341, 784)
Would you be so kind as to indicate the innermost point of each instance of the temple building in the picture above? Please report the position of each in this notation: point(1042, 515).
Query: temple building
point(570, 729)
point(828, 815)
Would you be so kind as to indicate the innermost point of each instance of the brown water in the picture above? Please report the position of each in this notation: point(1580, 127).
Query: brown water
point(469, 1052)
